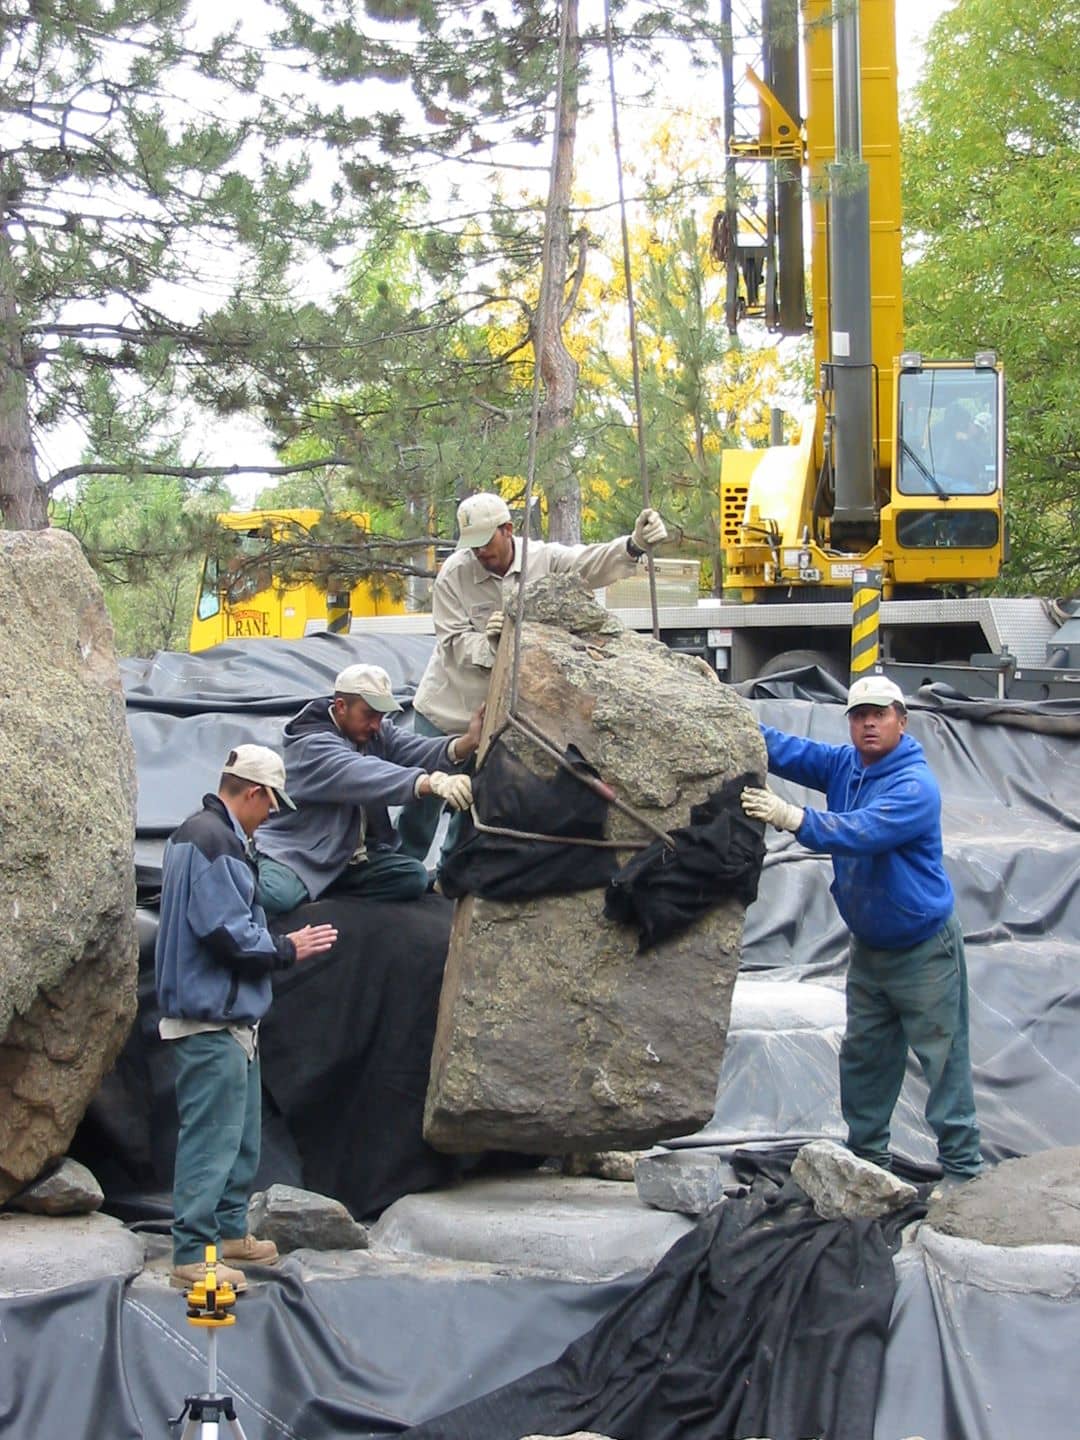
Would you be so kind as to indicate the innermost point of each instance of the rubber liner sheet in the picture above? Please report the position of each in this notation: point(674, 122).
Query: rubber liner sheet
point(980, 1343)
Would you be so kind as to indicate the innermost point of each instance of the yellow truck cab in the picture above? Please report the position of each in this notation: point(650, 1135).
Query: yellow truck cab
point(240, 598)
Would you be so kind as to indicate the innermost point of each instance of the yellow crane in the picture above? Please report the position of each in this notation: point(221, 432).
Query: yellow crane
point(898, 471)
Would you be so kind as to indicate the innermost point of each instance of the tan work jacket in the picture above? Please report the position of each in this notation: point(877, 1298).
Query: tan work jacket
point(465, 596)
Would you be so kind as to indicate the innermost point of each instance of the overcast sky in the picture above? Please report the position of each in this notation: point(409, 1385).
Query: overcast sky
point(245, 442)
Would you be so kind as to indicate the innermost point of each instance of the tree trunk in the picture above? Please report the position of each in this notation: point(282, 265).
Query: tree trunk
point(22, 500)
point(558, 368)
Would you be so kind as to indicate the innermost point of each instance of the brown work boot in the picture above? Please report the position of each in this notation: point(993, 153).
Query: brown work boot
point(249, 1251)
point(183, 1277)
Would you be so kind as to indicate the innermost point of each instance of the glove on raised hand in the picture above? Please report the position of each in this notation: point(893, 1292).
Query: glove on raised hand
point(649, 529)
point(764, 805)
point(456, 790)
point(493, 628)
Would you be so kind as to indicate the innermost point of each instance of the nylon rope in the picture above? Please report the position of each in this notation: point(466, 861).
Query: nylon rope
point(643, 462)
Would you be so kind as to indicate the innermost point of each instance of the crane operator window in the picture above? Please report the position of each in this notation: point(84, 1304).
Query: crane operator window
point(948, 433)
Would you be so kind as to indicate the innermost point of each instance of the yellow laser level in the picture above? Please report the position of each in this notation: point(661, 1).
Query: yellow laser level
point(209, 1303)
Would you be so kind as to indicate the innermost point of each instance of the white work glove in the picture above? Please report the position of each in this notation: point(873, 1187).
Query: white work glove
point(493, 628)
point(764, 805)
point(649, 529)
point(456, 790)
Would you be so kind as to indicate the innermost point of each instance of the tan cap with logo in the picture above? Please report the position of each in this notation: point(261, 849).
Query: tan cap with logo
point(479, 517)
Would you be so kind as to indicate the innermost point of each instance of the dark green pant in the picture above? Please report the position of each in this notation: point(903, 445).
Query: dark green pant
point(916, 997)
point(219, 1100)
point(384, 875)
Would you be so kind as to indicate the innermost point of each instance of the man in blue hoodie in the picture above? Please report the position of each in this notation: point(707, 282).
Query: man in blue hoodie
point(346, 762)
point(213, 961)
point(907, 977)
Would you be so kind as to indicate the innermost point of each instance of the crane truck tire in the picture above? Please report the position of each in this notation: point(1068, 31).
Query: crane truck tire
point(802, 660)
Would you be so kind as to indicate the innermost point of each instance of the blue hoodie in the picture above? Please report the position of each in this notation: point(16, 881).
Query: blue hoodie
point(883, 831)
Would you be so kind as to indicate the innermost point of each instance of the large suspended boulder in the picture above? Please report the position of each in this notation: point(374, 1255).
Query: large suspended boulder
point(69, 963)
point(555, 1034)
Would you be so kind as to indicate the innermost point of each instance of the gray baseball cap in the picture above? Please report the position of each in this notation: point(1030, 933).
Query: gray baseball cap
point(371, 683)
point(261, 766)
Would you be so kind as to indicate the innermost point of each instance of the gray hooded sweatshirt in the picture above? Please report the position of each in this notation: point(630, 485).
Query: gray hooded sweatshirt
point(341, 792)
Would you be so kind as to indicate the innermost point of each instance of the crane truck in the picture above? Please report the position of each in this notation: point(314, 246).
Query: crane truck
point(893, 485)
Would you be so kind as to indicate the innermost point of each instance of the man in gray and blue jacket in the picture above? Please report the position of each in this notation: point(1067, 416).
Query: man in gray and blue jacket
point(213, 961)
point(346, 763)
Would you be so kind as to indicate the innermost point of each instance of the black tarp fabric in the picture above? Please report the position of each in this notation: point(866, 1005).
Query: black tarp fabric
point(307, 1359)
point(975, 1349)
point(982, 1343)
point(273, 677)
point(719, 1342)
point(981, 1346)
point(719, 854)
point(346, 1049)
point(763, 1320)
point(347, 1046)
point(510, 796)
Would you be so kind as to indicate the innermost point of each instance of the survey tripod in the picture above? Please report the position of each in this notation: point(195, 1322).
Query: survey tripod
point(209, 1304)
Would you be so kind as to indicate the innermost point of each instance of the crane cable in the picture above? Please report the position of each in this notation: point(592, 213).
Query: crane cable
point(643, 463)
point(513, 718)
point(542, 309)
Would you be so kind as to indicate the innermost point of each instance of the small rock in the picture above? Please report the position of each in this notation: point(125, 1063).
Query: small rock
point(840, 1183)
point(1033, 1200)
point(302, 1220)
point(70, 1190)
point(687, 1181)
point(602, 1164)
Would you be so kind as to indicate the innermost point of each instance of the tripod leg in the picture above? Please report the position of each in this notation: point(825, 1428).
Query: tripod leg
point(236, 1429)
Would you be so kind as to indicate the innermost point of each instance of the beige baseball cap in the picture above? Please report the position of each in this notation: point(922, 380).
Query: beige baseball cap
point(874, 690)
point(261, 766)
point(479, 517)
point(371, 683)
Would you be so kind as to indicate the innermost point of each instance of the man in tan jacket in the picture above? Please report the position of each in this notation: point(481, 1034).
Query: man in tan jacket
point(467, 607)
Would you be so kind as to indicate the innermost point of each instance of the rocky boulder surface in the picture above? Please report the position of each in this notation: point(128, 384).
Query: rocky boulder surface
point(555, 1034)
point(69, 966)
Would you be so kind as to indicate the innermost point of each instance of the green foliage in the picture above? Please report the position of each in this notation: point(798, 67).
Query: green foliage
point(154, 203)
point(146, 536)
point(162, 190)
point(992, 200)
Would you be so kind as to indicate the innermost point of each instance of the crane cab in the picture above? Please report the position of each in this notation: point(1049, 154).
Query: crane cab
point(944, 522)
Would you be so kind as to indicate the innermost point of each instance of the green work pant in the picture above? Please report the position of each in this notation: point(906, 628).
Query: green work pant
point(219, 1100)
point(279, 889)
point(384, 875)
point(916, 998)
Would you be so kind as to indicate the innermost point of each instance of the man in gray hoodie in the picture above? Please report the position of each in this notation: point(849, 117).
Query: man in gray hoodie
point(346, 762)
